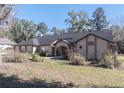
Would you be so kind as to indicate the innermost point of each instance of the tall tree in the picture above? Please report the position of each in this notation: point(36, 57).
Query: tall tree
point(28, 28)
point(72, 21)
point(99, 20)
point(78, 21)
point(55, 30)
point(5, 12)
point(16, 33)
point(23, 30)
point(42, 28)
point(84, 23)
point(118, 37)
point(6, 19)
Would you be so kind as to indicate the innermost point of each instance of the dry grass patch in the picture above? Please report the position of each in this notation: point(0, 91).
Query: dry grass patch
point(56, 73)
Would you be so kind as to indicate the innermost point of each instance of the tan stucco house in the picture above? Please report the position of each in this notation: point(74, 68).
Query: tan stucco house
point(91, 44)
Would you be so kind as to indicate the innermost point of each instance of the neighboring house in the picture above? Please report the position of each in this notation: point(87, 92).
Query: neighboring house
point(91, 44)
point(6, 43)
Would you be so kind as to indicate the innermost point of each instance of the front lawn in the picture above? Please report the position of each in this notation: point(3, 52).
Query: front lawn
point(57, 73)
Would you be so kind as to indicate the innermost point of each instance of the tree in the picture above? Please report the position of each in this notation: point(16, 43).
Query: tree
point(78, 22)
point(42, 28)
point(84, 23)
point(28, 28)
point(5, 12)
point(99, 20)
point(72, 22)
point(55, 30)
point(23, 30)
point(6, 19)
point(16, 33)
point(118, 37)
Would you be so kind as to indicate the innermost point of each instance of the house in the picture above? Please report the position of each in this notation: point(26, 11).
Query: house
point(91, 44)
point(6, 43)
point(29, 46)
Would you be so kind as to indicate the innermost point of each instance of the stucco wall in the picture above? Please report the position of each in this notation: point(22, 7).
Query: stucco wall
point(101, 47)
point(29, 49)
point(82, 50)
point(46, 49)
point(23, 48)
point(17, 49)
point(61, 43)
point(91, 47)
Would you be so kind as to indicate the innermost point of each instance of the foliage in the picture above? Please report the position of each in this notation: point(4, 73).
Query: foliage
point(118, 37)
point(36, 58)
point(78, 21)
point(42, 28)
point(42, 54)
point(55, 30)
point(5, 13)
point(76, 59)
point(110, 60)
point(16, 57)
point(99, 20)
point(6, 19)
point(23, 30)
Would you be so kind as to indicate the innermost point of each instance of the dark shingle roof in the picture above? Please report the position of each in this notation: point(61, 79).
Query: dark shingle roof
point(31, 42)
point(6, 41)
point(71, 37)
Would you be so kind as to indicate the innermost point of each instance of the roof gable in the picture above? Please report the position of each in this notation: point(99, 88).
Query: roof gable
point(107, 37)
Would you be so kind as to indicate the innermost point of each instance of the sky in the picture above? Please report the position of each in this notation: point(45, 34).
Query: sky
point(55, 14)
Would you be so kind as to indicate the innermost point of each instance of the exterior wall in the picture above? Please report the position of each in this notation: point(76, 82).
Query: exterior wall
point(17, 49)
point(98, 48)
point(23, 49)
point(82, 50)
point(91, 47)
point(29, 49)
point(61, 43)
point(101, 47)
point(58, 48)
point(46, 49)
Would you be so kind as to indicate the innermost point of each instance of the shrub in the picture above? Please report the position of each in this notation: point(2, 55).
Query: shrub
point(43, 54)
point(76, 59)
point(36, 58)
point(16, 57)
point(110, 60)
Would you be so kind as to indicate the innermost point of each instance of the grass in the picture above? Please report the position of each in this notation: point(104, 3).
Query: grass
point(121, 57)
point(57, 73)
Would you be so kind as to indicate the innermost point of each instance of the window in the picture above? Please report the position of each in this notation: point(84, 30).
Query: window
point(80, 47)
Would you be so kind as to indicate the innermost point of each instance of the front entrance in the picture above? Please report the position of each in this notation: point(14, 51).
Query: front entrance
point(61, 51)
